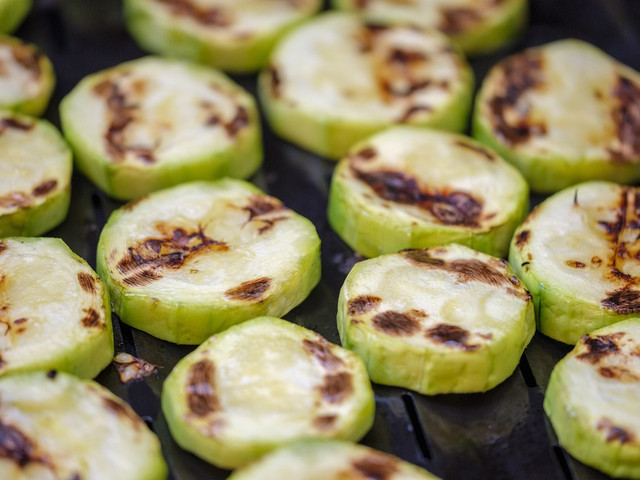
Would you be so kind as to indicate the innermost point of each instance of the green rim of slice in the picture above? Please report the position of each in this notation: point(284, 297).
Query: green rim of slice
point(55, 425)
point(593, 396)
point(232, 36)
point(35, 176)
point(153, 123)
point(12, 13)
point(262, 385)
point(28, 78)
point(54, 310)
point(410, 187)
point(576, 255)
point(189, 261)
point(330, 460)
point(562, 113)
point(337, 80)
point(439, 320)
point(478, 27)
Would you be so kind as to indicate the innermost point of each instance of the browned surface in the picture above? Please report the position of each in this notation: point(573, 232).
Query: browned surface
point(122, 410)
point(212, 16)
point(451, 336)
point(396, 323)
point(18, 447)
point(250, 291)
point(201, 393)
point(321, 350)
point(336, 387)
point(87, 282)
point(92, 319)
point(376, 466)
point(363, 304)
point(626, 117)
point(599, 347)
point(615, 433)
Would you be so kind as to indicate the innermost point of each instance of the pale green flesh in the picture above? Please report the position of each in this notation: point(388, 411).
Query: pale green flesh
point(426, 325)
point(277, 250)
point(35, 176)
point(494, 25)
point(573, 110)
point(329, 460)
point(261, 385)
point(437, 163)
point(573, 266)
point(188, 122)
point(62, 427)
point(330, 74)
point(592, 401)
point(69, 326)
point(251, 29)
point(12, 12)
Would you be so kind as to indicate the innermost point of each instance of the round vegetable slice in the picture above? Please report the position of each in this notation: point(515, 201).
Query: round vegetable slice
point(336, 80)
point(477, 26)
point(189, 261)
point(593, 396)
point(27, 78)
point(12, 13)
point(576, 253)
point(439, 320)
point(153, 123)
point(231, 35)
point(322, 459)
point(411, 187)
point(35, 176)
point(563, 113)
point(54, 310)
point(261, 385)
point(55, 425)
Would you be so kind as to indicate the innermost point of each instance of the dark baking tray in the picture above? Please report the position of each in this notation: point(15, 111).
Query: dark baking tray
point(501, 434)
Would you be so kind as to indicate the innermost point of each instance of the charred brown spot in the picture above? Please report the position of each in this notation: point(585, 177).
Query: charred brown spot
point(404, 57)
point(412, 111)
point(3, 246)
point(477, 149)
point(201, 393)
point(122, 410)
point(212, 16)
point(376, 466)
point(239, 121)
point(596, 261)
point(252, 290)
point(336, 387)
point(458, 19)
point(321, 350)
point(262, 205)
point(17, 447)
point(44, 188)
point(276, 81)
point(599, 347)
point(363, 304)
point(522, 238)
point(627, 121)
point(395, 323)
point(366, 153)
point(87, 282)
point(91, 318)
point(451, 336)
point(325, 422)
point(614, 433)
point(623, 301)
point(621, 374)
point(7, 123)
point(52, 374)
point(20, 320)
point(28, 57)
point(575, 264)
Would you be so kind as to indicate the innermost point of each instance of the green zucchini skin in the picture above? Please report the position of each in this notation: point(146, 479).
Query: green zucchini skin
point(12, 13)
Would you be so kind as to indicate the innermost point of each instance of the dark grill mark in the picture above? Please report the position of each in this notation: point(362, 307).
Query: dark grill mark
point(17, 447)
point(213, 16)
point(276, 81)
point(451, 336)
point(627, 121)
point(91, 318)
point(522, 238)
point(201, 392)
point(6, 123)
point(325, 422)
point(122, 410)
point(28, 57)
point(623, 301)
point(449, 208)
point(240, 121)
point(395, 323)
point(614, 432)
point(261, 205)
point(3, 246)
point(477, 149)
point(599, 347)
point(52, 374)
point(20, 320)
point(405, 57)
point(366, 153)
point(336, 387)
point(44, 188)
point(251, 291)
point(458, 19)
point(87, 282)
point(618, 373)
point(363, 304)
point(413, 110)
point(376, 466)
point(321, 350)
point(575, 264)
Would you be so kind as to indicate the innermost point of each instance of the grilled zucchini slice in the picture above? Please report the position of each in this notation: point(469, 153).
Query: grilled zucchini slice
point(410, 187)
point(153, 123)
point(577, 255)
point(54, 310)
point(232, 35)
point(35, 176)
point(12, 13)
point(27, 78)
point(336, 80)
point(322, 459)
point(55, 425)
point(261, 385)
point(563, 113)
point(477, 26)
point(593, 396)
point(189, 261)
point(439, 320)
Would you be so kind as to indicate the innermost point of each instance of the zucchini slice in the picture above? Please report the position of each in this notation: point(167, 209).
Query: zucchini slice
point(12, 13)
point(321, 459)
point(563, 113)
point(27, 78)
point(54, 425)
point(261, 385)
point(577, 255)
point(35, 176)
point(477, 26)
point(54, 310)
point(336, 80)
point(410, 187)
point(438, 320)
point(189, 261)
point(152, 123)
point(232, 35)
point(593, 396)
